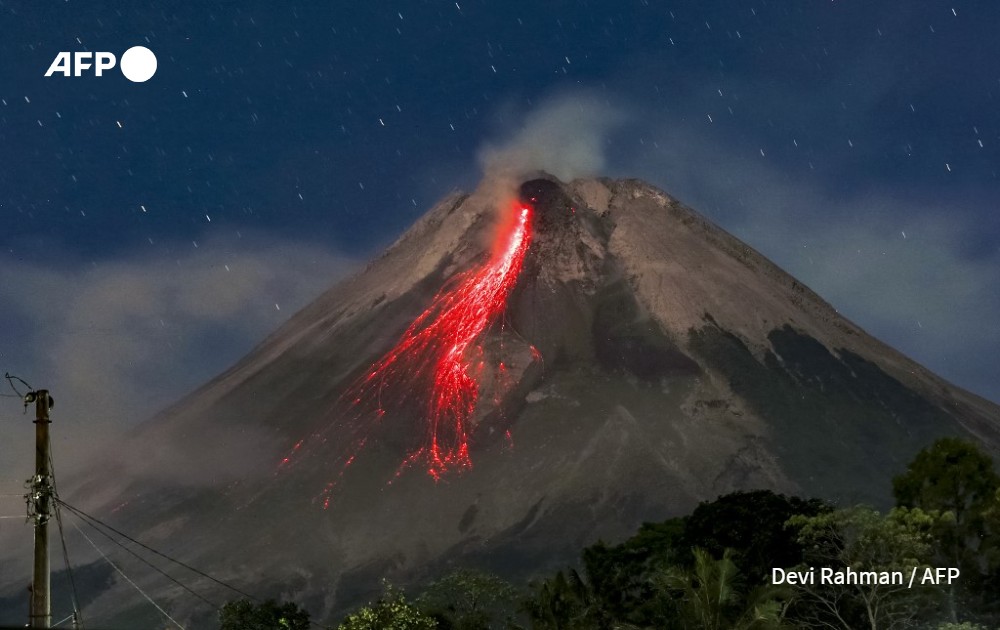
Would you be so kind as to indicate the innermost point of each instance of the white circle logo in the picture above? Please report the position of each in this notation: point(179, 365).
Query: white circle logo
point(138, 64)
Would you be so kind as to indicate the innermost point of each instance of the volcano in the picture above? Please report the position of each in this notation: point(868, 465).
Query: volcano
point(515, 378)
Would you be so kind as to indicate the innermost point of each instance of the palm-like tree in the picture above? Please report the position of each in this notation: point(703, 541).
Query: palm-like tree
point(711, 596)
point(565, 602)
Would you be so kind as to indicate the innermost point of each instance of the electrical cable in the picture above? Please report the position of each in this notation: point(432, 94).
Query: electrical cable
point(87, 518)
point(127, 578)
point(77, 615)
point(81, 513)
point(97, 524)
point(146, 562)
point(10, 381)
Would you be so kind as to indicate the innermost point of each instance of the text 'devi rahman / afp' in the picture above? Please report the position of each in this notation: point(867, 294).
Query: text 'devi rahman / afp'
point(839, 576)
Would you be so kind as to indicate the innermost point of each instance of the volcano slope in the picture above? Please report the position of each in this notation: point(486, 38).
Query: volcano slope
point(643, 360)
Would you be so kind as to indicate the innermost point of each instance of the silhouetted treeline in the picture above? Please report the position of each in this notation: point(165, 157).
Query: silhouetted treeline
point(714, 568)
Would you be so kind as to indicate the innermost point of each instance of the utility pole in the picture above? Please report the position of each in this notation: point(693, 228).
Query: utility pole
point(40, 509)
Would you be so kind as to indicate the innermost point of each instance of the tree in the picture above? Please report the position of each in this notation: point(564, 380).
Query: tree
point(753, 526)
point(991, 520)
point(861, 539)
point(243, 614)
point(954, 476)
point(711, 595)
point(470, 600)
point(390, 612)
point(565, 602)
point(619, 575)
point(983, 591)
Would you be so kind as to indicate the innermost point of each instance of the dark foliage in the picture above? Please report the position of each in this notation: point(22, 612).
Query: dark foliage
point(712, 568)
point(243, 614)
point(954, 476)
point(471, 600)
point(753, 525)
point(619, 575)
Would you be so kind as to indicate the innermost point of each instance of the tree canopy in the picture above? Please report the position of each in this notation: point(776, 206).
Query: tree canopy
point(244, 614)
point(712, 569)
point(390, 612)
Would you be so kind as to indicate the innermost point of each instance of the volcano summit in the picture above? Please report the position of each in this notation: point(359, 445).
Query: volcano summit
point(600, 357)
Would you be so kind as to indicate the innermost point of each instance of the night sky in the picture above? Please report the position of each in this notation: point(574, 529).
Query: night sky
point(152, 233)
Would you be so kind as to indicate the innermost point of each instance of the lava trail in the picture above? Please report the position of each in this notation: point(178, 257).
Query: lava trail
point(436, 365)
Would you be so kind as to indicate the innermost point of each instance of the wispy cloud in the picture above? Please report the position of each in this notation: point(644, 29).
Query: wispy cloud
point(565, 135)
point(896, 263)
point(890, 257)
point(117, 340)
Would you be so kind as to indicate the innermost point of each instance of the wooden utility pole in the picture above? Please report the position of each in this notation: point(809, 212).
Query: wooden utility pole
point(40, 509)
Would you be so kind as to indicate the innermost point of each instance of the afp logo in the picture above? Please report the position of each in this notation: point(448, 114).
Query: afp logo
point(138, 64)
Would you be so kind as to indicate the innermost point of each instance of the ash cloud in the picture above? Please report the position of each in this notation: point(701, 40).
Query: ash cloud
point(566, 135)
point(901, 264)
point(115, 341)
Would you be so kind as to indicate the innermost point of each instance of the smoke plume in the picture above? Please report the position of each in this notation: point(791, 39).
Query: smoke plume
point(565, 136)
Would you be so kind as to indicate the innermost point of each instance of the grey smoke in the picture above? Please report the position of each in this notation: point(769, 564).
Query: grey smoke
point(116, 341)
point(565, 135)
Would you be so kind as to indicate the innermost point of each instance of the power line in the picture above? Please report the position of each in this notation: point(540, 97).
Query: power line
point(127, 578)
point(10, 381)
point(144, 561)
point(77, 617)
point(81, 513)
point(87, 518)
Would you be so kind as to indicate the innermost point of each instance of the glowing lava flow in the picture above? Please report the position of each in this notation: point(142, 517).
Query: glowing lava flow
point(438, 340)
point(430, 369)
